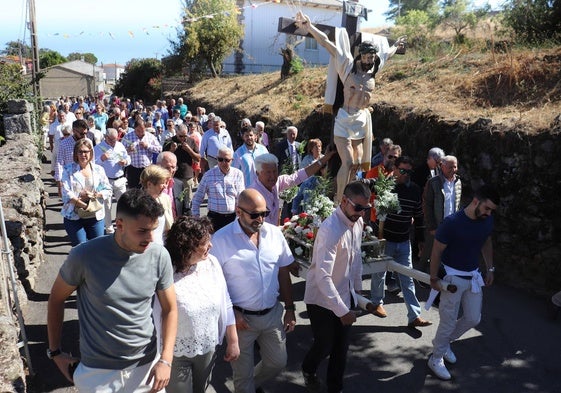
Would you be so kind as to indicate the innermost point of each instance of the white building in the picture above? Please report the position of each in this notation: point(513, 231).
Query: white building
point(260, 48)
point(112, 72)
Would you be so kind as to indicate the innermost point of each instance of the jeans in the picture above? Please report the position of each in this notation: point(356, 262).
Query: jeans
point(83, 229)
point(401, 253)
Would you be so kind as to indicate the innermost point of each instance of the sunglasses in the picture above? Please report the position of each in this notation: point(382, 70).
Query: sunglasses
point(391, 157)
point(405, 171)
point(358, 208)
point(222, 159)
point(254, 216)
point(84, 151)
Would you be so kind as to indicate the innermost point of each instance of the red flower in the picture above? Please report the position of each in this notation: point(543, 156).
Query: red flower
point(310, 235)
point(303, 215)
point(286, 220)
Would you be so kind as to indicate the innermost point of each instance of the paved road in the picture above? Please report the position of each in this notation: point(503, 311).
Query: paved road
point(514, 349)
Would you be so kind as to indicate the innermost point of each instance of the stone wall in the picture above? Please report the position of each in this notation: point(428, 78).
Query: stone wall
point(23, 202)
point(525, 168)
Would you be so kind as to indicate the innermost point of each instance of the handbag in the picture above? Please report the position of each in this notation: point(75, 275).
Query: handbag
point(93, 206)
point(89, 212)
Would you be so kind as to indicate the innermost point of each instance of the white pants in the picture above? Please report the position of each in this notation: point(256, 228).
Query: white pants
point(98, 380)
point(450, 327)
point(118, 188)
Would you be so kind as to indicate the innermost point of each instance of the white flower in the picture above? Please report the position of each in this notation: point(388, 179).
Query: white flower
point(368, 229)
point(363, 254)
point(299, 251)
point(294, 218)
point(298, 229)
point(306, 231)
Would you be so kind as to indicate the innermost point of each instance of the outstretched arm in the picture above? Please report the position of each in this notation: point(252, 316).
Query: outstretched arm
point(303, 22)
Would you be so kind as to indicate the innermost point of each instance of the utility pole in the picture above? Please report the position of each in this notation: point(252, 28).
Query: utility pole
point(34, 48)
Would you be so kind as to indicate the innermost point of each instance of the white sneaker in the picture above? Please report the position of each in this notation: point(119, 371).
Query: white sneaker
point(109, 230)
point(438, 368)
point(450, 357)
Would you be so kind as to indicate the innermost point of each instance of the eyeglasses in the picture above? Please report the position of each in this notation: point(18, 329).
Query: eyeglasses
point(84, 151)
point(357, 207)
point(254, 216)
point(404, 171)
point(392, 157)
point(222, 159)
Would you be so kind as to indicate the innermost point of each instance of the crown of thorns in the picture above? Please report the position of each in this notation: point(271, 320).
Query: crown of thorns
point(367, 47)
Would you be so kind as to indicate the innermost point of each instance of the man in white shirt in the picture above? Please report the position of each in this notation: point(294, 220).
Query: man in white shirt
point(331, 285)
point(213, 140)
point(255, 256)
point(112, 156)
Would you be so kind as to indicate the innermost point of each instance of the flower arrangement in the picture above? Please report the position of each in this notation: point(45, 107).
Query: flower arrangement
point(386, 201)
point(300, 231)
point(372, 247)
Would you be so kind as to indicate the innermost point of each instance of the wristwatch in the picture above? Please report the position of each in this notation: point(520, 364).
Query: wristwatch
point(491, 269)
point(52, 354)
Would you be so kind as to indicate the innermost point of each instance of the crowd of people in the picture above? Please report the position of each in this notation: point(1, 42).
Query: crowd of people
point(226, 274)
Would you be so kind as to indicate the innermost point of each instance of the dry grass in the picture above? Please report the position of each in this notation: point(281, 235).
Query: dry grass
point(519, 89)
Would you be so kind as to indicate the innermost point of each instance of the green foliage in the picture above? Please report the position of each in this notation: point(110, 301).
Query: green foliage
point(13, 48)
point(142, 79)
point(534, 21)
point(457, 14)
point(49, 58)
point(296, 65)
point(12, 84)
point(204, 43)
point(88, 57)
point(400, 8)
point(417, 25)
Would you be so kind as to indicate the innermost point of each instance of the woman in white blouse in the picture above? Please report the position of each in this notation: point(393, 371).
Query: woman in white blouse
point(205, 311)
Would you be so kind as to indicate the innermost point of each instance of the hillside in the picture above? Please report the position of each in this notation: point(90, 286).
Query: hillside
point(519, 89)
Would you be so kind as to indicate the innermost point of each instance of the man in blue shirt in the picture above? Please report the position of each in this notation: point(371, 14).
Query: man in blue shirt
point(458, 242)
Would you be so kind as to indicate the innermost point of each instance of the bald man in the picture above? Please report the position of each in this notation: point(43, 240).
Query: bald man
point(255, 257)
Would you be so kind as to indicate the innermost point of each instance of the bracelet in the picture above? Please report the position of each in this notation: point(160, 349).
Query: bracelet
point(290, 307)
point(164, 362)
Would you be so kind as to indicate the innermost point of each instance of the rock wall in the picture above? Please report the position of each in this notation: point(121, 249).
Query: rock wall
point(525, 168)
point(23, 202)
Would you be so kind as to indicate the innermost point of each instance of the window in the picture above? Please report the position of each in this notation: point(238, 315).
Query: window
point(311, 44)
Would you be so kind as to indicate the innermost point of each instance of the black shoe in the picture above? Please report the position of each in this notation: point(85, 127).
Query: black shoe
point(312, 382)
point(259, 390)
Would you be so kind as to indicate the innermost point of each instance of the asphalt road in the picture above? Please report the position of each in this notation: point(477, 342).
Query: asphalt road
point(514, 349)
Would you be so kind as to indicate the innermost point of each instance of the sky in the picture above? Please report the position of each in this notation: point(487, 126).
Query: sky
point(115, 30)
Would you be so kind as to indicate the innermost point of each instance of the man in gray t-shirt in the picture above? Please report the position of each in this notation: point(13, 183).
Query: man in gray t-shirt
point(116, 277)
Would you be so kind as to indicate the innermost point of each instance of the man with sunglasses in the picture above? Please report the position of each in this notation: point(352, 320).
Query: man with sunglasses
point(398, 244)
point(334, 278)
point(255, 258)
point(222, 185)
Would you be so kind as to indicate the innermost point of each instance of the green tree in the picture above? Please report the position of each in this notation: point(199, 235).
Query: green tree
point(534, 21)
point(13, 48)
point(400, 8)
point(142, 78)
point(88, 57)
point(211, 32)
point(417, 25)
point(49, 58)
point(461, 16)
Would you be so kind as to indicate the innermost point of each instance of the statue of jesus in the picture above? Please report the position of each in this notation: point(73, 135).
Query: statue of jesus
point(353, 122)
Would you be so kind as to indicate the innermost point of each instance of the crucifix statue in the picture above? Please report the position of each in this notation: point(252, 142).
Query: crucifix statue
point(352, 132)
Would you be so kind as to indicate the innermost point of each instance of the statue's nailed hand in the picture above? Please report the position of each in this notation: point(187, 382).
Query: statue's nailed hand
point(303, 21)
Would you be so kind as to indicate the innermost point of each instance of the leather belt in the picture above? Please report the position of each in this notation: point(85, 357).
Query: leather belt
point(250, 312)
point(465, 277)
